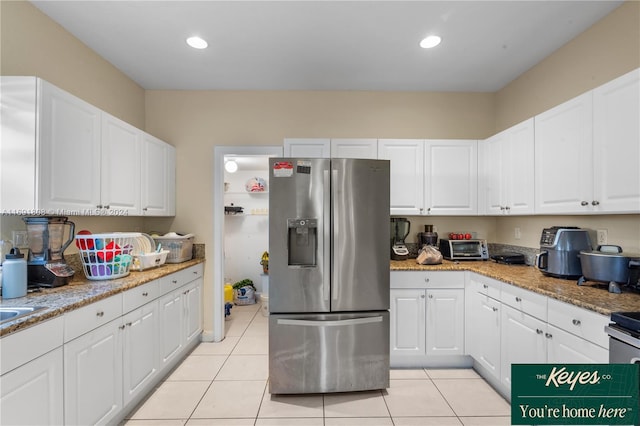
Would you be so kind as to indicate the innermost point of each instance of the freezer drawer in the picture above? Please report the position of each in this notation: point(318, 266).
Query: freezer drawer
point(328, 353)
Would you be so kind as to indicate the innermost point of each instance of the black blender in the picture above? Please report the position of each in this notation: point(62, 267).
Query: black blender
point(400, 227)
point(428, 238)
point(46, 266)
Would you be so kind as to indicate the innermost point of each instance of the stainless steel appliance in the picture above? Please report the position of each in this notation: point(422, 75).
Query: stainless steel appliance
point(624, 338)
point(560, 247)
point(400, 228)
point(328, 275)
point(46, 266)
point(464, 249)
point(608, 264)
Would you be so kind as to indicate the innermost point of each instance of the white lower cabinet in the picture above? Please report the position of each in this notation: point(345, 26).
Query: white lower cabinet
point(140, 350)
point(427, 324)
point(192, 297)
point(33, 393)
point(171, 316)
point(93, 376)
point(483, 328)
point(566, 348)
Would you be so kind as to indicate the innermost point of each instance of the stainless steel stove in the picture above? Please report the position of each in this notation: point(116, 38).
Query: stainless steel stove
point(624, 338)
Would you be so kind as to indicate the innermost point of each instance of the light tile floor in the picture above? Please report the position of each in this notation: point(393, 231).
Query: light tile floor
point(226, 384)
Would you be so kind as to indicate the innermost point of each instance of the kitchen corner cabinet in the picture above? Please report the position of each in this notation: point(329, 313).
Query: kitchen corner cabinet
point(450, 177)
point(427, 318)
point(406, 158)
point(586, 151)
point(71, 156)
point(506, 176)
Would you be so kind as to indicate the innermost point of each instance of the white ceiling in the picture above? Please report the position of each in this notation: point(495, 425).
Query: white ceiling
point(325, 45)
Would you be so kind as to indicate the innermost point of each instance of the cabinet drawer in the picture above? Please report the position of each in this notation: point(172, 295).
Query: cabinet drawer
point(85, 319)
point(140, 295)
point(23, 346)
point(488, 286)
point(524, 300)
point(180, 278)
point(430, 279)
point(579, 321)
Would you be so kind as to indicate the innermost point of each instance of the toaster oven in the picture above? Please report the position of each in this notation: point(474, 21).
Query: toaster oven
point(464, 249)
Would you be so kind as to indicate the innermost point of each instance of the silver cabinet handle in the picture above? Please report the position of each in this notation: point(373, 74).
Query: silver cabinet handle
point(106, 207)
point(174, 281)
point(100, 314)
point(508, 208)
point(128, 324)
point(538, 331)
point(485, 286)
point(595, 203)
point(99, 206)
point(518, 299)
point(121, 327)
point(428, 210)
point(426, 280)
point(195, 272)
point(548, 335)
point(145, 294)
point(431, 296)
point(422, 296)
point(584, 203)
point(576, 322)
point(494, 309)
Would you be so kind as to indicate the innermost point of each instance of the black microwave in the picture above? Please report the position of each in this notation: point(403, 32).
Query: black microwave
point(464, 249)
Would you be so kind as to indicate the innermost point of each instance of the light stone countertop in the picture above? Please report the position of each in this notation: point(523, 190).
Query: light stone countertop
point(591, 296)
point(81, 292)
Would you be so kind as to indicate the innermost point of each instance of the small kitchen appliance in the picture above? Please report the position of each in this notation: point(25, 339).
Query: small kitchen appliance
point(464, 249)
point(609, 265)
point(560, 248)
point(46, 266)
point(509, 258)
point(428, 237)
point(400, 228)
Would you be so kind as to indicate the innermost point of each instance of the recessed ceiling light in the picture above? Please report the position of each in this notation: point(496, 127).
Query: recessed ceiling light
point(231, 166)
point(430, 41)
point(197, 43)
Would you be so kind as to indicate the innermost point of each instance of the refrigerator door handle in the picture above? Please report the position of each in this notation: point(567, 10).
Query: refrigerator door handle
point(326, 247)
point(338, 323)
point(335, 222)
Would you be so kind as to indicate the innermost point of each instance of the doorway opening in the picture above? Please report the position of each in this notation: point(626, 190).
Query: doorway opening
point(237, 237)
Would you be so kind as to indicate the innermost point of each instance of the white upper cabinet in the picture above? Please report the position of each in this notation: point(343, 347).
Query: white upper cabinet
point(450, 177)
point(506, 184)
point(60, 153)
point(564, 158)
point(406, 158)
point(587, 151)
point(354, 148)
point(68, 150)
point(616, 145)
point(307, 148)
point(158, 177)
point(121, 156)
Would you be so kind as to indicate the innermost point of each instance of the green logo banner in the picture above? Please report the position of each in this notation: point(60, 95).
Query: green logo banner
point(575, 394)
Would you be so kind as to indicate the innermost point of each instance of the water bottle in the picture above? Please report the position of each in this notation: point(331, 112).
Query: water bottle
point(14, 275)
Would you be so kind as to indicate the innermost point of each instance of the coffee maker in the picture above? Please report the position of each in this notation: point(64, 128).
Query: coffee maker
point(46, 266)
point(400, 227)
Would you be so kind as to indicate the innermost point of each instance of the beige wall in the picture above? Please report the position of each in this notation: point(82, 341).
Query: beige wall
point(32, 44)
point(610, 48)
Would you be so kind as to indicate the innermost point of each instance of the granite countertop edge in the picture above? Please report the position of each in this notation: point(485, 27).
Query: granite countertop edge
point(82, 292)
point(591, 296)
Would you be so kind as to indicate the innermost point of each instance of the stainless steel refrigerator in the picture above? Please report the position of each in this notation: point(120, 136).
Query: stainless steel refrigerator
point(328, 275)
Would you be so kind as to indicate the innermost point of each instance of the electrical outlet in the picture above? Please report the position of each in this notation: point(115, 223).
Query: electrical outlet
point(601, 236)
point(517, 234)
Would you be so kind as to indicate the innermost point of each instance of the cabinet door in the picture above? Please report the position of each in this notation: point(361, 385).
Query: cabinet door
point(522, 342)
point(451, 177)
point(33, 393)
point(156, 174)
point(484, 326)
point(69, 151)
point(518, 169)
point(171, 315)
point(307, 148)
point(407, 322)
point(445, 322)
point(491, 191)
point(563, 157)
point(406, 158)
point(140, 350)
point(354, 148)
point(565, 348)
point(93, 376)
point(192, 296)
point(121, 156)
point(616, 145)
